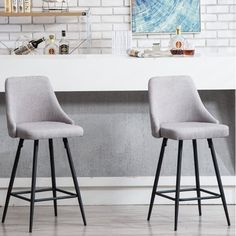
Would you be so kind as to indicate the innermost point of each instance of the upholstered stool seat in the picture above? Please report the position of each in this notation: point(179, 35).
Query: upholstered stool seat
point(193, 130)
point(47, 129)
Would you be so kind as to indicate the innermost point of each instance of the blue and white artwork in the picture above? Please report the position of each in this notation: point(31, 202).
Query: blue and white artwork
point(163, 16)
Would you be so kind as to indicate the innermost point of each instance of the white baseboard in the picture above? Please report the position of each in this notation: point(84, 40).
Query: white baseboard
point(120, 190)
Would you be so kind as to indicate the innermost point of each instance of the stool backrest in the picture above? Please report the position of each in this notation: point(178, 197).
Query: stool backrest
point(31, 99)
point(175, 99)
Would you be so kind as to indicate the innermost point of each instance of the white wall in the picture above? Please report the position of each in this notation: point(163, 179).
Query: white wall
point(218, 25)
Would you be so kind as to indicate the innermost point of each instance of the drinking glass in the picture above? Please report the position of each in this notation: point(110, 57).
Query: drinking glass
point(121, 42)
point(189, 48)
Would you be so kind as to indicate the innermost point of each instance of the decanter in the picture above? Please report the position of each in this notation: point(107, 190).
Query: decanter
point(177, 43)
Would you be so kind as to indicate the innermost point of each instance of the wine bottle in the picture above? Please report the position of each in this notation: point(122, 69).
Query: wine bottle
point(35, 43)
point(27, 48)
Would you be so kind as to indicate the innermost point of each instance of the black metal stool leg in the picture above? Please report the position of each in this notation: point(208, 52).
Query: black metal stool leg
point(197, 175)
point(73, 172)
point(164, 142)
point(51, 151)
point(178, 177)
point(13, 175)
point(33, 184)
point(211, 146)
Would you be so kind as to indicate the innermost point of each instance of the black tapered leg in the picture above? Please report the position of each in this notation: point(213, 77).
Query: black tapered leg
point(164, 142)
point(33, 184)
point(73, 172)
point(178, 177)
point(53, 177)
point(197, 175)
point(13, 175)
point(211, 146)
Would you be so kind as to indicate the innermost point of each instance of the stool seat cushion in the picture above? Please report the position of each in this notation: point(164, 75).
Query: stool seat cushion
point(193, 130)
point(47, 129)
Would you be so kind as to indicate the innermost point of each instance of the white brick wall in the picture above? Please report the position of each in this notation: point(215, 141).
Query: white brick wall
point(218, 25)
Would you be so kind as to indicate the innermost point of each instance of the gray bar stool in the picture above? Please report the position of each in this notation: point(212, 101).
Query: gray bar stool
point(178, 113)
point(33, 113)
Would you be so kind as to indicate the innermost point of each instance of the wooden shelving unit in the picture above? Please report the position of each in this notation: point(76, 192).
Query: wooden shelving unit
point(40, 13)
point(85, 14)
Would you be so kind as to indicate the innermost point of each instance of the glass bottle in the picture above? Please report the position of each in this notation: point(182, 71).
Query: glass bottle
point(51, 48)
point(28, 47)
point(63, 44)
point(177, 43)
point(7, 5)
point(156, 47)
point(14, 6)
point(27, 5)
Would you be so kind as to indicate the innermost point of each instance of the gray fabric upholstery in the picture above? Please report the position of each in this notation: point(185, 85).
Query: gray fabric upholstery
point(175, 99)
point(45, 130)
point(193, 130)
point(31, 99)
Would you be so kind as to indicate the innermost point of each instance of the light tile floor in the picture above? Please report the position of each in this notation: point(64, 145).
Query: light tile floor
point(119, 220)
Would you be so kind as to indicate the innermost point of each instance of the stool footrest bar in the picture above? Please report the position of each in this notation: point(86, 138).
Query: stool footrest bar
point(181, 190)
point(209, 192)
point(55, 198)
point(39, 190)
point(19, 194)
point(64, 191)
point(213, 195)
point(165, 196)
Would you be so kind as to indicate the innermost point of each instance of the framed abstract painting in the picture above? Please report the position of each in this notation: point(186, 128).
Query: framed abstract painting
point(163, 16)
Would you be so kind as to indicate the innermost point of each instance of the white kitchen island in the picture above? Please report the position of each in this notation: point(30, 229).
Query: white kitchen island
point(120, 73)
point(117, 144)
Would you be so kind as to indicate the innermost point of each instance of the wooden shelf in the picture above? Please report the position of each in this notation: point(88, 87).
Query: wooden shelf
point(38, 13)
